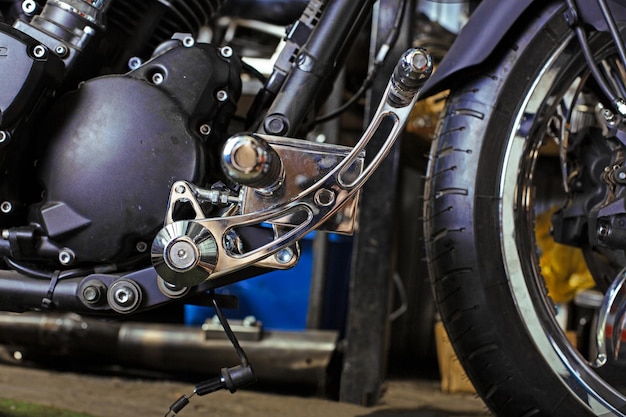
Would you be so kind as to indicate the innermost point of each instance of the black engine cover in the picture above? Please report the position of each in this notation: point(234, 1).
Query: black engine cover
point(116, 146)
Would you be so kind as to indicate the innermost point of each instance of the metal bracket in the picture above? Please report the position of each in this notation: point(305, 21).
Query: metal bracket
point(189, 252)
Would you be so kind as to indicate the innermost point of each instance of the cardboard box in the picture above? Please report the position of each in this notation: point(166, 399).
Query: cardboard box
point(453, 377)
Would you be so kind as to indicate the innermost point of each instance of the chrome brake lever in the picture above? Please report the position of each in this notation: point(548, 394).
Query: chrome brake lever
point(188, 252)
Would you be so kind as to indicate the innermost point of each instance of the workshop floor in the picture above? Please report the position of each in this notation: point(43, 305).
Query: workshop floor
point(104, 396)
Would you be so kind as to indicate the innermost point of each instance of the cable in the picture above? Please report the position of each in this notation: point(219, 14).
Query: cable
point(588, 54)
point(390, 41)
point(230, 378)
point(229, 332)
point(253, 71)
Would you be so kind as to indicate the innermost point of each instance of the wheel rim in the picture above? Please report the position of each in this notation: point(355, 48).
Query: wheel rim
point(517, 213)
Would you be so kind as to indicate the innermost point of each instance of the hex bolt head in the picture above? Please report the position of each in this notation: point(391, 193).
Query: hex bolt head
point(92, 294)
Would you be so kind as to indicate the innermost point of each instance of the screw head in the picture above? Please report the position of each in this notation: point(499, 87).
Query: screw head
point(603, 231)
point(181, 255)
point(61, 50)
point(6, 207)
point(226, 51)
point(141, 247)
point(157, 78)
point(66, 257)
point(39, 51)
point(284, 256)
point(134, 62)
point(29, 7)
point(221, 96)
point(189, 41)
point(205, 129)
point(124, 296)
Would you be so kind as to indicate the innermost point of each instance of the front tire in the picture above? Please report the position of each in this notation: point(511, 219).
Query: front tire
point(482, 190)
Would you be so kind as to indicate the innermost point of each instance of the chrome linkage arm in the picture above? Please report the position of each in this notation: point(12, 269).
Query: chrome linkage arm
point(188, 252)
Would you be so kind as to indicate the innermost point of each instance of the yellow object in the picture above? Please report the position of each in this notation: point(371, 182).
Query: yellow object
point(425, 115)
point(453, 377)
point(563, 267)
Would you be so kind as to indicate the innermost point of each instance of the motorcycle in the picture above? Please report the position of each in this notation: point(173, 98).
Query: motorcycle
point(129, 182)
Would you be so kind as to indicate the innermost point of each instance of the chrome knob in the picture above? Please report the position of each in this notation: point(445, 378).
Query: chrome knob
point(251, 161)
point(411, 73)
point(184, 253)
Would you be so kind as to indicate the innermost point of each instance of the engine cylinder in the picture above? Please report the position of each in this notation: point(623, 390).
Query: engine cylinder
point(140, 26)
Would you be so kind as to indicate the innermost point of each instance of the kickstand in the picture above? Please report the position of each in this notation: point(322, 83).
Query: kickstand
point(230, 378)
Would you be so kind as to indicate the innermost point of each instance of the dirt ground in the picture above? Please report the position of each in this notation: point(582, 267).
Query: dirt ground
point(105, 396)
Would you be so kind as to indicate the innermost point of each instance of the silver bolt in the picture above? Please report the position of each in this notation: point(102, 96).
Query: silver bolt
point(226, 51)
point(182, 255)
point(608, 115)
point(620, 105)
point(189, 41)
point(205, 130)
point(4, 136)
point(61, 50)
point(91, 293)
point(158, 78)
point(134, 62)
point(420, 61)
point(284, 256)
point(141, 247)
point(66, 257)
point(6, 207)
point(603, 231)
point(29, 7)
point(324, 197)
point(621, 175)
point(39, 51)
point(181, 189)
point(124, 296)
point(221, 96)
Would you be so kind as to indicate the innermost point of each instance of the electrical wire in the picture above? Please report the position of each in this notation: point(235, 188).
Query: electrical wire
point(253, 71)
point(381, 55)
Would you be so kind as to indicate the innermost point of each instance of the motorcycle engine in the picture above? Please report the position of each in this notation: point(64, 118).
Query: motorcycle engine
point(109, 151)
